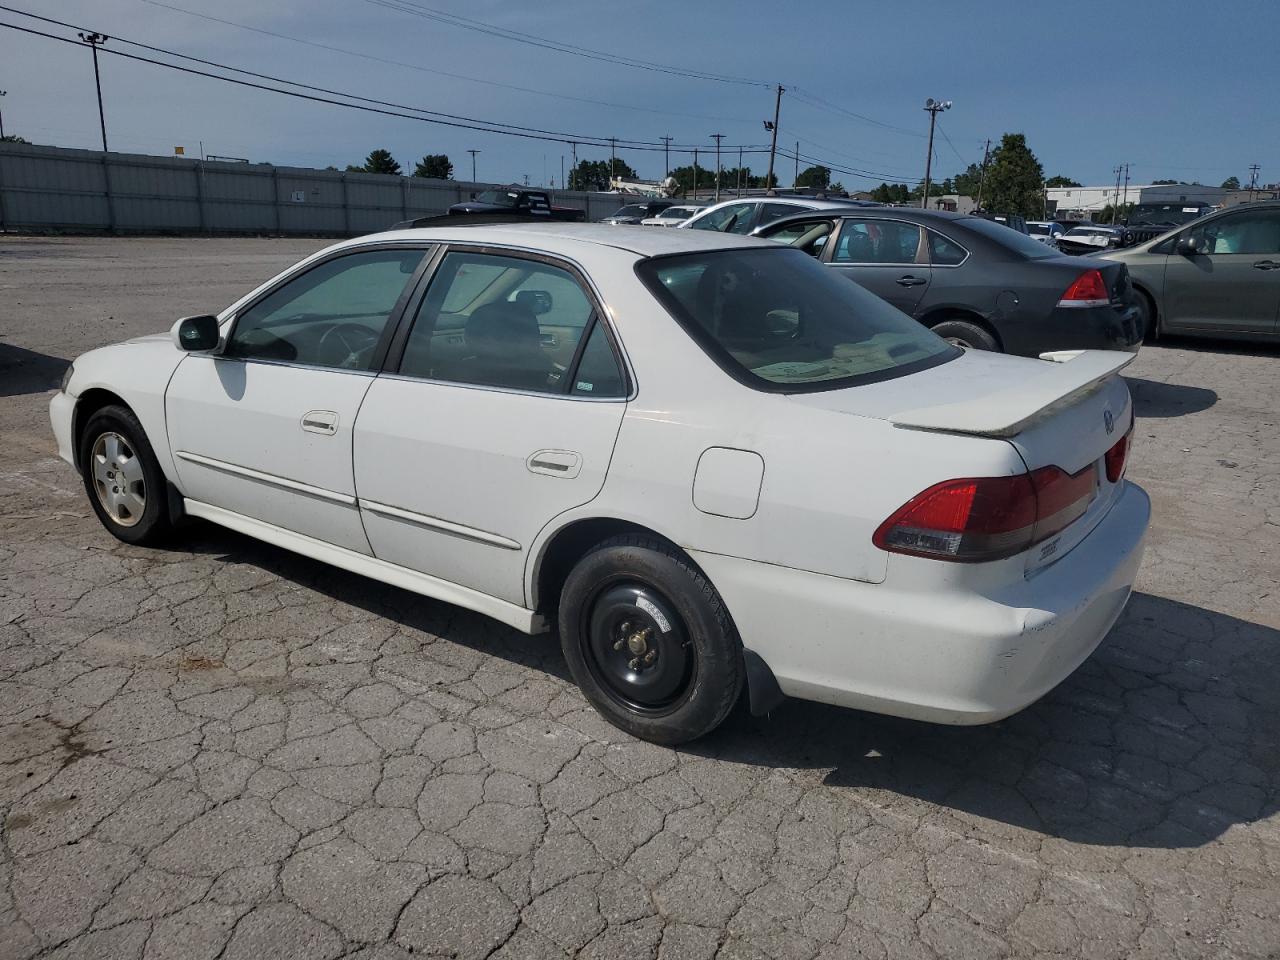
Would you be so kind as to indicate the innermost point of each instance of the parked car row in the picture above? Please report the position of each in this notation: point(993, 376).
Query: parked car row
point(571, 425)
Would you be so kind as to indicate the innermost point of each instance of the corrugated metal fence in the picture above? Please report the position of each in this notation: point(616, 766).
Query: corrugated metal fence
point(57, 189)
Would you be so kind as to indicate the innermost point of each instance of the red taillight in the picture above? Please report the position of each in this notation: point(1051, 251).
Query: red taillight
point(1116, 456)
point(1088, 290)
point(987, 518)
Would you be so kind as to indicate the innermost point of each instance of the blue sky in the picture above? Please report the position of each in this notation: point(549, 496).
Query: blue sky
point(1178, 89)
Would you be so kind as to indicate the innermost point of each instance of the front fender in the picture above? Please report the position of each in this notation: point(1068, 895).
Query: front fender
point(138, 372)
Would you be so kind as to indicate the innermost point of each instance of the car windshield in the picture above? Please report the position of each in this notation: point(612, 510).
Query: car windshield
point(632, 210)
point(499, 198)
point(1038, 229)
point(676, 213)
point(1010, 239)
point(1160, 214)
point(778, 320)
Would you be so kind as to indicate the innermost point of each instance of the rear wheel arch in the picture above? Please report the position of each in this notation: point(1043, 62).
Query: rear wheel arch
point(564, 548)
point(944, 314)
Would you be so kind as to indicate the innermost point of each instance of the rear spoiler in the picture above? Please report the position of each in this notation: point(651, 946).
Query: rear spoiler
point(1069, 376)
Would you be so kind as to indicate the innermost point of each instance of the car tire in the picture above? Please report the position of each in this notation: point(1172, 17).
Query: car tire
point(965, 334)
point(122, 478)
point(649, 641)
point(1147, 318)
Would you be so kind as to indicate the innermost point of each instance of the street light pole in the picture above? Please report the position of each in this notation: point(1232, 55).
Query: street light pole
point(473, 164)
point(717, 137)
point(613, 159)
point(94, 40)
point(666, 154)
point(773, 146)
point(934, 107)
point(3, 93)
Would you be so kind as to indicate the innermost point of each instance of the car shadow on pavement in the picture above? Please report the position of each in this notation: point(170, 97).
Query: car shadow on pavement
point(1168, 736)
point(24, 371)
point(1151, 398)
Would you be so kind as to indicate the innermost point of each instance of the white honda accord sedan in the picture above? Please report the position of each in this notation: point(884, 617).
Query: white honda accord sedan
point(711, 462)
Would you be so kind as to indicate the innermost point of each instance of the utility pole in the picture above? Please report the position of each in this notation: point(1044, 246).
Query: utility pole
point(666, 154)
point(3, 93)
point(94, 40)
point(1125, 202)
point(1253, 179)
point(573, 170)
point(717, 137)
point(473, 164)
point(795, 180)
point(773, 145)
point(613, 159)
point(1115, 207)
point(562, 171)
point(934, 107)
point(695, 173)
point(982, 175)
point(738, 186)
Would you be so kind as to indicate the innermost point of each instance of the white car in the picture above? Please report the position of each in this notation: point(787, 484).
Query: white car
point(1046, 231)
point(672, 216)
point(744, 215)
point(709, 459)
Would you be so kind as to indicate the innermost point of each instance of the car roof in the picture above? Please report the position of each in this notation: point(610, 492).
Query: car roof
point(893, 213)
point(565, 237)
point(811, 202)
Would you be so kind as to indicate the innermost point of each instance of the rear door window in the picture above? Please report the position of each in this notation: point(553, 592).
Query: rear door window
point(877, 241)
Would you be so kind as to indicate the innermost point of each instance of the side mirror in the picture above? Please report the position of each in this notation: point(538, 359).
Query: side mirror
point(1189, 245)
point(196, 334)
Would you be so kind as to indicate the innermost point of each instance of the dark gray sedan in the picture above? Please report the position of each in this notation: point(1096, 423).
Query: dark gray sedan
point(973, 281)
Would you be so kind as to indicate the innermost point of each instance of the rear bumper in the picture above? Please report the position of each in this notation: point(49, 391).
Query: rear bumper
point(1072, 328)
point(942, 654)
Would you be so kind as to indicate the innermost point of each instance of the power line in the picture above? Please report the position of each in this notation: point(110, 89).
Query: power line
point(815, 101)
point(950, 144)
point(430, 70)
point(451, 19)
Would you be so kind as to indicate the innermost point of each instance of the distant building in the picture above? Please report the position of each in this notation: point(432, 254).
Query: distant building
point(953, 202)
point(1083, 202)
point(1269, 192)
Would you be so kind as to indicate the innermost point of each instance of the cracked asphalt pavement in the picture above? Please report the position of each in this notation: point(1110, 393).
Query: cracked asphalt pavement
point(220, 749)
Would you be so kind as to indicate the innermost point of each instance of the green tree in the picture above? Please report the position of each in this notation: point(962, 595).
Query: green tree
point(891, 193)
point(967, 183)
point(1014, 179)
point(435, 166)
point(380, 161)
point(12, 138)
point(1165, 183)
point(594, 174)
point(1231, 183)
point(1061, 181)
point(817, 176)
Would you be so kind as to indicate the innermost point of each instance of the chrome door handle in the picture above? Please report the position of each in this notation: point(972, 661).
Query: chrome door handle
point(910, 281)
point(555, 463)
point(1266, 265)
point(320, 421)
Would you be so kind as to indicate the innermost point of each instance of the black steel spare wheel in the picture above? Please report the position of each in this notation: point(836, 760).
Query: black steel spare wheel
point(638, 648)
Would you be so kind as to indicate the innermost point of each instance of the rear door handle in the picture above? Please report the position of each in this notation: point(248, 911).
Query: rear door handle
point(1266, 265)
point(910, 281)
point(555, 463)
point(320, 421)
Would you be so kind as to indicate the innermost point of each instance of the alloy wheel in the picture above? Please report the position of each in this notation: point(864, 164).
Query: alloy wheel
point(118, 479)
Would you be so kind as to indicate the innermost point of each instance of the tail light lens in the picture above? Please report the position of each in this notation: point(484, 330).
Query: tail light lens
point(1087, 290)
point(1117, 456)
point(987, 518)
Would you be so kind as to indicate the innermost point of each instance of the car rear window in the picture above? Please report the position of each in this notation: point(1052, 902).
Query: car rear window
point(779, 321)
point(1014, 240)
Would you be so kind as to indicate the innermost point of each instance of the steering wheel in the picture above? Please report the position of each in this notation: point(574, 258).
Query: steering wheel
point(347, 343)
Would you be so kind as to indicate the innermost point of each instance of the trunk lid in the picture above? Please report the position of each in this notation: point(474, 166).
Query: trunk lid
point(1065, 411)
